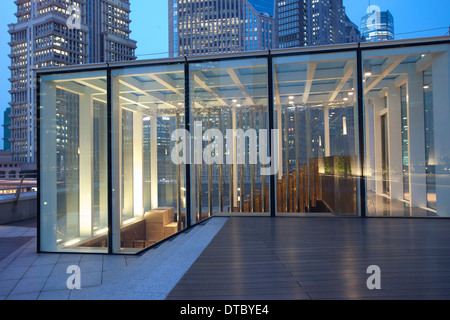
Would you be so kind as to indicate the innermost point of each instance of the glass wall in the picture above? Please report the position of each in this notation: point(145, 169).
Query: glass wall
point(149, 188)
point(229, 110)
point(119, 180)
point(74, 166)
point(316, 112)
point(418, 177)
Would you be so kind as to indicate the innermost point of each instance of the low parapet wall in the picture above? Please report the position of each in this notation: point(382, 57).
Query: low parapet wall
point(25, 208)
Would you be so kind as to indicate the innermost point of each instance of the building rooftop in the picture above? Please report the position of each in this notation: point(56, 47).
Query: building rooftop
point(245, 258)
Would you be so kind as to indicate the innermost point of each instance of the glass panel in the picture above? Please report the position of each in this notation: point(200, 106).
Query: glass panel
point(148, 106)
point(316, 112)
point(384, 154)
point(74, 195)
point(414, 150)
point(430, 155)
point(229, 108)
point(405, 142)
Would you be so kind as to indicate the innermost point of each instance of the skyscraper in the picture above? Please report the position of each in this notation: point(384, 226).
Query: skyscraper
point(377, 25)
point(292, 22)
point(326, 23)
point(220, 26)
point(42, 37)
point(352, 33)
point(109, 36)
point(313, 23)
point(6, 130)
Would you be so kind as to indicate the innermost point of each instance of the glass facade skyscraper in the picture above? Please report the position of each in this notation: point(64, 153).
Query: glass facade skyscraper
point(313, 23)
point(220, 26)
point(377, 26)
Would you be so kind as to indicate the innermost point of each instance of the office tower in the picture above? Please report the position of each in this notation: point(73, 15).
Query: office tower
point(43, 36)
point(326, 22)
point(109, 36)
point(377, 26)
point(220, 26)
point(291, 16)
point(352, 33)
point(313, 23)
point(6, 130)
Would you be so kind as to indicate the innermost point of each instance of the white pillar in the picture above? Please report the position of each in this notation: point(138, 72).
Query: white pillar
point(441, 105)
point(416, 137)
point(235, 166)
point(102, 159)
point(138, 164)
point(395, 142)
point(127, 166)
point(370, 146)
point(86, 123)
point(154, 159)
point(117, 165)
point(48, 188)
point(326, 116)
point(378, 106)
point(280, 141)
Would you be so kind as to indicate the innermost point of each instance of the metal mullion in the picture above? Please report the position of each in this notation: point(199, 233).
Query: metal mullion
point(187, 124)
point(270, 93)
point(362, 186)
point(109, 106)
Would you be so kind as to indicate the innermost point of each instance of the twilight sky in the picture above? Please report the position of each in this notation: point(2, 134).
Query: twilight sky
point(150, 28)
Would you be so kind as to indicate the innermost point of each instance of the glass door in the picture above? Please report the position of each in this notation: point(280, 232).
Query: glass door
point(316, 116)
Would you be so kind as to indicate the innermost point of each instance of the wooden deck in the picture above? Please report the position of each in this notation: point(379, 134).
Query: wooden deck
point(260, 258)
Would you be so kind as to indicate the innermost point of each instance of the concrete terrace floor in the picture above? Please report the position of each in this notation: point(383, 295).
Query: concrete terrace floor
point(246, 258)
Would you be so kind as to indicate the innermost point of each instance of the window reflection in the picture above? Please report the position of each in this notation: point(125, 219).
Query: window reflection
point(315, 108)
point(150, 103)
point(74, 162)
point(405, 81)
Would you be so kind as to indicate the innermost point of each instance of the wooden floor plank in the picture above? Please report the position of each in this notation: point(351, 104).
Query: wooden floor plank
point(321, 258)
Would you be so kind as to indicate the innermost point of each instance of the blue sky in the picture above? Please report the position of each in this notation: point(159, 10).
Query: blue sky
point(150, 28)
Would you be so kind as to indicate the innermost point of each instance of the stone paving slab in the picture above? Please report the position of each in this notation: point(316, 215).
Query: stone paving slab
point(27, 275)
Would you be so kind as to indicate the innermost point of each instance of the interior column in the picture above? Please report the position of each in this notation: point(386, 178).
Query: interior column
point(416, 135)
point(86, 124)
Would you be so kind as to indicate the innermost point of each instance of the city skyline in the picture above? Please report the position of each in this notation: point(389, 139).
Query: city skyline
point(407, 19)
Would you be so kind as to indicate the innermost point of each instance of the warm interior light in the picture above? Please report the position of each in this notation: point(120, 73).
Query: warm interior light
point(426, 87)
point(72, 242)
point(101, 231)
point(291, 98)
point(368, 70)
point(344, 125)
point(129, 221)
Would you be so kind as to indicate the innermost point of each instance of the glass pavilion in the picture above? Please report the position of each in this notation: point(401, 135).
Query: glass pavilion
point(358, 130)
